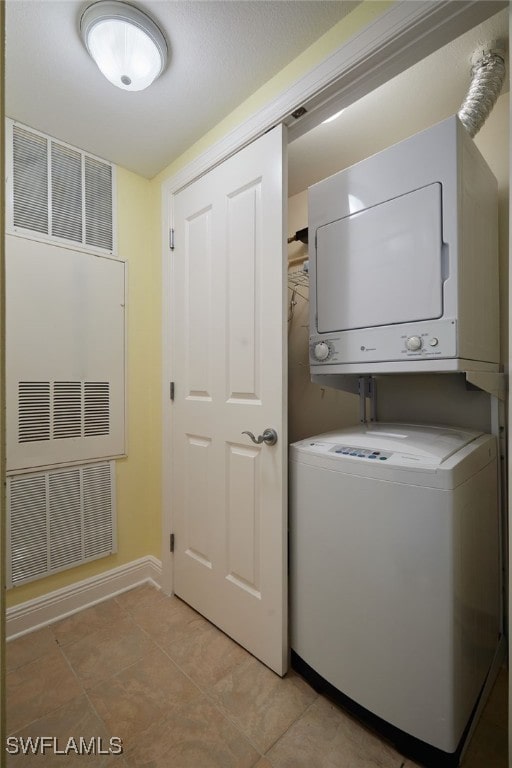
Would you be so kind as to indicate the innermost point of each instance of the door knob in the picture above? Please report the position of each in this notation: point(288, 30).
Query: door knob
point(269, 437)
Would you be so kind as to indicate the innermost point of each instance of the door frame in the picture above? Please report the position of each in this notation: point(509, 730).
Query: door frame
point(399, 37)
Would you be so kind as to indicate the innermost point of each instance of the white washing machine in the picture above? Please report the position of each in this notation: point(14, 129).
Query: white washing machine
point(394, 556)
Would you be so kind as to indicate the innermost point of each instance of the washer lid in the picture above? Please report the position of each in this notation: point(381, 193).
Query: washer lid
point(432, 445)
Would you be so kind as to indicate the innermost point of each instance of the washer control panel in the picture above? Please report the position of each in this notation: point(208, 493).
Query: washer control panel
point(360, 453)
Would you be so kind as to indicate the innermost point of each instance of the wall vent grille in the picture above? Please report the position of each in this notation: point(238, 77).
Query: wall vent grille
point(67, 409)
point(59, 192)
point(30, 181)
point(59, 519)
point(96, 408)
point(33, 411)
point(66, 192)
point(98, 204)
point(62, 410)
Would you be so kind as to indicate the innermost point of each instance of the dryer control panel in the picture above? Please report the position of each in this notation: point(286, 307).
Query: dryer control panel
point(394, 343)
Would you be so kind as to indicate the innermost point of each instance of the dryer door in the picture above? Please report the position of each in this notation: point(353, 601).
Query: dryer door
point(381, 265)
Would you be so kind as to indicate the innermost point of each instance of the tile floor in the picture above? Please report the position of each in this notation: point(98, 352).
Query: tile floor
point(147, 669)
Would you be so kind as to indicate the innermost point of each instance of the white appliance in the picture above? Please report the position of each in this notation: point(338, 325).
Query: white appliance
point(404, 260)
point(394, 555)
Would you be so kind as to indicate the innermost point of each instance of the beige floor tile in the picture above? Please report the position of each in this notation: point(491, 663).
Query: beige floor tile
point(192, 736)
point(261, 703)
point(325, 737)
point(140, 695)
point(168, 620)
point(488, 747)
point(28, 648)
point(107, 651)
point(37, 688)
point(83, 623)
point(166, 722)
point(74, 720)
point(142, 596)
point(207, 655)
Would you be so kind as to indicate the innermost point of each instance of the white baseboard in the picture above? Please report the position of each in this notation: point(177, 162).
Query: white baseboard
point(56, 605)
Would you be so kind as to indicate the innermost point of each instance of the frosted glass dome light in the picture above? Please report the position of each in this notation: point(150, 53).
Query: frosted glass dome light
point(128, 47)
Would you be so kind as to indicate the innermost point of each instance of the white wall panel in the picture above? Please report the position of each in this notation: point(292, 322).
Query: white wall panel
point(65, 355)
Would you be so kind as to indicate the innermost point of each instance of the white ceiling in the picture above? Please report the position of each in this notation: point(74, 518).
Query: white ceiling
point(221, 51)
point(426, 93)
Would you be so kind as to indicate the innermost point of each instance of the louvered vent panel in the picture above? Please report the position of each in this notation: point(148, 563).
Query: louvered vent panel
point(33, 411)
point(59, 519)
point(65, 519)
point(63, 409)
point(67, 409)
point(98, 204)
point(97, 510)
point(96, 408)
point(28, 528)
point(60, 192)
point(66, 192)
point(30, 181)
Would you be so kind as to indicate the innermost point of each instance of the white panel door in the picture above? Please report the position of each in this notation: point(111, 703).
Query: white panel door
point(229, 500)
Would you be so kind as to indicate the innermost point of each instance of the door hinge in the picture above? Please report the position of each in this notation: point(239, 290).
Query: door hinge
point(171, 390)
point(171, 239)
point(171, 542)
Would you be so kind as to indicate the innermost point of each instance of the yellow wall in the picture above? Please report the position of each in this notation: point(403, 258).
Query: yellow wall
point(138, 476)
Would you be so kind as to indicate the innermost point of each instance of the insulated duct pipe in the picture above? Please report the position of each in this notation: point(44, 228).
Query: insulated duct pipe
point(488, 73)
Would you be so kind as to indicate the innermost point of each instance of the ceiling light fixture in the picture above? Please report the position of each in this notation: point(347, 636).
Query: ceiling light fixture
point(125, 43)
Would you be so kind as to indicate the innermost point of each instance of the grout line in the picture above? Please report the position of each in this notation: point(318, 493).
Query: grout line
point(206, 693)
point(212, 698)
point(32, 660)
point(317, 696)
point(201, 690)
point(65, 703)
point(226, 715)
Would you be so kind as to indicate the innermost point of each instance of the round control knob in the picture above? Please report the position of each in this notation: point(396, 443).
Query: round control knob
point(413, 343)
point(321, 351)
